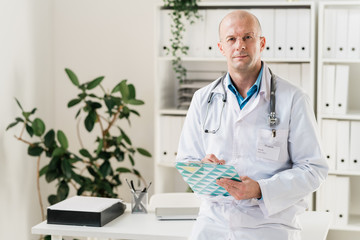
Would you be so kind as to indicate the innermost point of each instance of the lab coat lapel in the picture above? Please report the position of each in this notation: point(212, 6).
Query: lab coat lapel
point(263, 93)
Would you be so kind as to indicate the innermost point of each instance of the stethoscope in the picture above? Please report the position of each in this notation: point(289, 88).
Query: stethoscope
point(272, 119)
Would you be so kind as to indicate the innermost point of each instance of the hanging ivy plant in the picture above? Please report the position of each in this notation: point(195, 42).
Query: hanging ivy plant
point(182, 10)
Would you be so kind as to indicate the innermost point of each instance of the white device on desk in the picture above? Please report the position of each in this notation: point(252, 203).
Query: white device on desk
point(176, 213)
point(175, 206)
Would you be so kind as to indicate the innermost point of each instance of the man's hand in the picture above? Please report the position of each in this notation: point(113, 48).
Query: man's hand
point(246, 189)
point(211, 158)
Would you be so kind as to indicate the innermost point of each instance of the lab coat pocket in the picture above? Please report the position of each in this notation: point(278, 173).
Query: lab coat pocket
point(270, 145)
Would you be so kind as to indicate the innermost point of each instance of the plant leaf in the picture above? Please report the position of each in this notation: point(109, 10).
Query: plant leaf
point(18, 103)
point(35, 150)
point(90, 121)
point(123, 170)
point(62, 139)
point(12, 125)
point(131, 160)
point(73, 102)
point(38, 126)
point(117, 87)
point(135, 102)
point(58, 152)
point(126, 138)
point(135, 112)
point(49, 138)
point(72, 77)
point(43, 170)
point(124, 90)
point(105, 169)
point(132, 92)
point(94, 83)
point(63, 190)
point(85, 153)
point(29, 130)
point(100, 146)
point(136, 172)
point(52, 199)
point(143, 152)
point(66, 168)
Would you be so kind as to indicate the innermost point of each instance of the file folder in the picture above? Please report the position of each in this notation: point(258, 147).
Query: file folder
point(202, 177)
point(266, 19)
point(342, 146)
point(342, 194)
point(329, 33)
point(326, 197)
point(194, 35)
point(213, 19)
point(165, 32)
point(328, 135)
point(280, 32)
point(165, 146)
point(355, 146)
point(341, 89)
point(341, 33)
point(291, 43)
point(328, 89)
point(170, 130)
point(354, 34)
point(304, 33)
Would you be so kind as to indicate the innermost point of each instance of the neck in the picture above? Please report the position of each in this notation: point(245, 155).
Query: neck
point(244, 80)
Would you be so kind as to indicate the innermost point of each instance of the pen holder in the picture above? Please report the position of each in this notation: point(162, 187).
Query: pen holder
point(139, 201)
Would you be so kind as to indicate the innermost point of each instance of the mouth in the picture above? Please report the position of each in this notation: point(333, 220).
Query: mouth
point(242, 56)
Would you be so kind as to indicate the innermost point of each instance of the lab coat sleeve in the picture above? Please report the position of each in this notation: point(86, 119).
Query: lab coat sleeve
point(309, 168)
point(191, 142)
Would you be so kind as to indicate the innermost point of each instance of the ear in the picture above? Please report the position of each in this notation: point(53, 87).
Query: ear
point(220, 46)
point(262, 43)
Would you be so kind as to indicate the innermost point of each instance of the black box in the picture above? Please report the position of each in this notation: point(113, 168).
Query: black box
point(85, 211)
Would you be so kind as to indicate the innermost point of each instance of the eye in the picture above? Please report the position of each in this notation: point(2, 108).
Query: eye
point(247, 37)
point(231, 39)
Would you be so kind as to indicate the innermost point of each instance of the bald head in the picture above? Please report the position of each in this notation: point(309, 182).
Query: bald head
point(241, 15)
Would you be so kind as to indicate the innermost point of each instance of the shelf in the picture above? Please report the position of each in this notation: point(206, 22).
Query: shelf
point(352, 115)
point(166, 164)
point(178, 112)
point(212, 59)
point(331, 60)
point(353, 225)
point(254, 4)
point(344, 172)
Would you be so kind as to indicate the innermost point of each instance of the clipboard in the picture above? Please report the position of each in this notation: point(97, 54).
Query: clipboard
point(201, 177)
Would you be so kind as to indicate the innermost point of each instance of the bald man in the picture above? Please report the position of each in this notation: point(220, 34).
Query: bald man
point(279, 164)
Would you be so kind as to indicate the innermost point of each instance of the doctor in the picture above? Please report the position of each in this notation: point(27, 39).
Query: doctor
point(279, 164)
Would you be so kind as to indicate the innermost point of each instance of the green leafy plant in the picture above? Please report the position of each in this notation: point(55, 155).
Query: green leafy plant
point(182, 10)
point(91, 171)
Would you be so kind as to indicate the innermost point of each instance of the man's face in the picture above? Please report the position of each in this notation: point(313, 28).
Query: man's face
point(240, 42)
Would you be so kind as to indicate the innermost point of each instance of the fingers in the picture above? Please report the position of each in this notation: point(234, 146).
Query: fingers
point(246, 189)
point(211, 158)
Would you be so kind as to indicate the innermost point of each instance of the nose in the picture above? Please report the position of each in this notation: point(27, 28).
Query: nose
point(240, 44)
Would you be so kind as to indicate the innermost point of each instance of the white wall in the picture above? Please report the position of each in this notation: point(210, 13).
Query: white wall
point(26, 73)
point(39, 38)
point(111, 38)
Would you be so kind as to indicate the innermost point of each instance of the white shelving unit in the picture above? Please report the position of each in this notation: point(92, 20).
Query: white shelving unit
point(167, 124)
point(341, 20)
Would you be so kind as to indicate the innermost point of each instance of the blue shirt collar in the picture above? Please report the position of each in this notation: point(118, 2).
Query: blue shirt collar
point(254, 90)
point(256, 84)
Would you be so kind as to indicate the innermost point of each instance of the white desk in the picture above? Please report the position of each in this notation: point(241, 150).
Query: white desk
point(127, 226)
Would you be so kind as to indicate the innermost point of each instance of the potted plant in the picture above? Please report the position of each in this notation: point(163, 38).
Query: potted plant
point(91, 170)
point(182, 10)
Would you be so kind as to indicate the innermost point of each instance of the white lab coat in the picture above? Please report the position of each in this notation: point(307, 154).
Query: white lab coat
point(285, 180)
